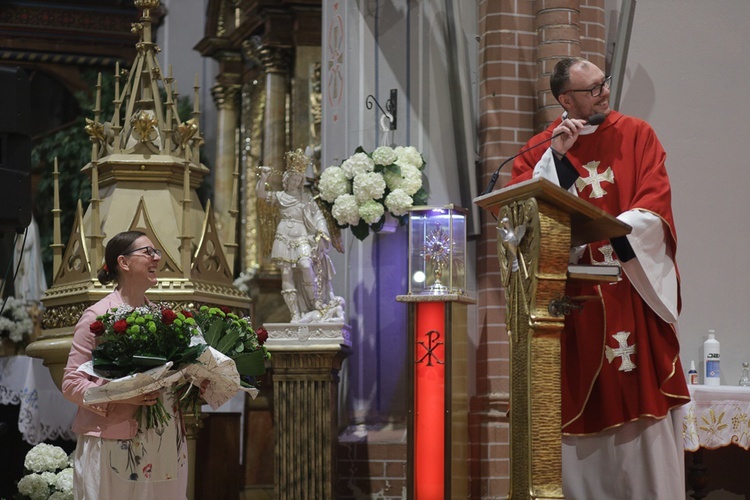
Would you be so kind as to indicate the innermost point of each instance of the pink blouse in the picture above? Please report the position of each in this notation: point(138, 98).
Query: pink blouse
point(108, 420)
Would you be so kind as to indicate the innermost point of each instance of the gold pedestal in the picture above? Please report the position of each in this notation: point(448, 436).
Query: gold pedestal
point(306, 360)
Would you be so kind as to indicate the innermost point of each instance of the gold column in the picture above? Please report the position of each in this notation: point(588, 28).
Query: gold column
point(535, 416)
point(226, 97)
point(306, 361)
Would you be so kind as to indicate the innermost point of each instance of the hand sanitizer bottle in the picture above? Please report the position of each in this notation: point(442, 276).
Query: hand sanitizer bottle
point(712, 357)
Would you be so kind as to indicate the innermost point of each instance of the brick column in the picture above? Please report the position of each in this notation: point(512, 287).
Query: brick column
point(558, 30)
point(520, 42)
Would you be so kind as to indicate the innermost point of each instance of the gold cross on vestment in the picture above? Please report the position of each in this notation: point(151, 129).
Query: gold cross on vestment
point(595, 179)
point(624, 351)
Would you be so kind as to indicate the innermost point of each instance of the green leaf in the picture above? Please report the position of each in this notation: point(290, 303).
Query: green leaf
point(150, 361)
point(227, 342)
point(393, 168)
point(361, 230)
point(420, 197)
point(213, 334)
point(190, 354)
point(378, 226)
point(251, 363)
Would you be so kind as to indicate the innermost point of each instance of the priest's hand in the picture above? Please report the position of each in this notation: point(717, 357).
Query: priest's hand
point(567, 134)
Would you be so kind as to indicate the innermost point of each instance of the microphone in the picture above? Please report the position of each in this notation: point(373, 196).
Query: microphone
point(595, 119)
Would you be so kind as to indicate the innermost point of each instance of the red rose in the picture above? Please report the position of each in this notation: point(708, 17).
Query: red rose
point(262, 335)
point(187, 313)
point(120, 326)
point(168, 316)
point(225, 309)
point(97, 328)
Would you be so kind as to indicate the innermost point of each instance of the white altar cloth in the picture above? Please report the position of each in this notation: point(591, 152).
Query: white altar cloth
point(44, 413)
point(716, 416)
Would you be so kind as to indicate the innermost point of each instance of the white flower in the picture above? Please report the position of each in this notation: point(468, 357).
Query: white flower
point(384, 155)
point(15, 320)
point(50, 477)
point(357, 164)
point(393, 180)
point(398, 202)
point(345, 210)
point(333, 183)
point(412, 179)
point(371, 211)
point(409, 156)
point(33, 486)
point(368, 186)
point(356, 192)
point(45, 457)
point(64, 481)
point(59, 495)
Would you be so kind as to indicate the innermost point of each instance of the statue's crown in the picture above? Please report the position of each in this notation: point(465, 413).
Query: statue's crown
point(297, 161)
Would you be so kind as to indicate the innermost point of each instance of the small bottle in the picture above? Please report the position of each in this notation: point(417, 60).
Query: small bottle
point(712, 357)
point(693, 374)
point(745, 378)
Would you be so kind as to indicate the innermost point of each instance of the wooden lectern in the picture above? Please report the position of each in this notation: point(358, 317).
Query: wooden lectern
point(538, 223)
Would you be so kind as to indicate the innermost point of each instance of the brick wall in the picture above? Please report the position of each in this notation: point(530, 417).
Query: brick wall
point(372, 464)
point(520, 42)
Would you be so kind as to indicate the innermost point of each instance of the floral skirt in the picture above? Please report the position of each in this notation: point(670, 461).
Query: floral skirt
point(151, 465)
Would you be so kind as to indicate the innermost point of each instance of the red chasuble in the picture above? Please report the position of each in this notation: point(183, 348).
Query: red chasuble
point(620, 360)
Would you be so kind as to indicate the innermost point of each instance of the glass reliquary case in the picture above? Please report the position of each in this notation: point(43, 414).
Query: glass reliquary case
point(437, 250)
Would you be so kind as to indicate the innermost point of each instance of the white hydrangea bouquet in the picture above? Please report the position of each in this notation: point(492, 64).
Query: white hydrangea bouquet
point(15, 321)
point(365, 186)
point(50, 474)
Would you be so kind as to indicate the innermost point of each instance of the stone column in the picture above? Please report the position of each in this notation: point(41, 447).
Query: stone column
point(306, 360)
point(275, 62)
point(276, 65)
point(226, 96)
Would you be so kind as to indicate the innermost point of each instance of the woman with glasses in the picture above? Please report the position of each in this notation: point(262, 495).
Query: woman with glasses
point(621, 371)
point(113, 458)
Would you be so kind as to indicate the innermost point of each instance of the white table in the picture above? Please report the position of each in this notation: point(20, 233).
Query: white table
point(717, 416)
point(43, 414)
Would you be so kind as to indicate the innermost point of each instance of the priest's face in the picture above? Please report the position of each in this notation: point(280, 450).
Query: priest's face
point(578, 100)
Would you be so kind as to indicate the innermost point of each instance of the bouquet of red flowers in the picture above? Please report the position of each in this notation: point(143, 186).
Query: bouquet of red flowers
point(133, 340)
point(151, 347)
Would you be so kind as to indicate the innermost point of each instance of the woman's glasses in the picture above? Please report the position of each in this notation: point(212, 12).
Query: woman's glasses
point(149, 251)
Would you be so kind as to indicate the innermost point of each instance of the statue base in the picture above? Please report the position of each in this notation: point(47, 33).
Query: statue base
point(308, 336)
point(305, 363)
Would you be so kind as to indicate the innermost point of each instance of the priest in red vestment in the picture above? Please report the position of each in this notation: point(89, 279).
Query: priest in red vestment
point(621, 372)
